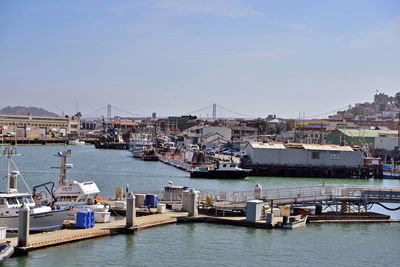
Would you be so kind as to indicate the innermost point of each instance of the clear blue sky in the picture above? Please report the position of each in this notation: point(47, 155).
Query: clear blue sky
point(172, 57)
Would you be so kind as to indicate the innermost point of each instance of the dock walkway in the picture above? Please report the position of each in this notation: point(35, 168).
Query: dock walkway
point(46, 239)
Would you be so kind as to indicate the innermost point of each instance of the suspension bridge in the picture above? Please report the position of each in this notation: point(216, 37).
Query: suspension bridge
point(209, 111)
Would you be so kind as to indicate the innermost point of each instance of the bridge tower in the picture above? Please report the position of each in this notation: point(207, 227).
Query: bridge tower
point(108, 112)
point(214, 116)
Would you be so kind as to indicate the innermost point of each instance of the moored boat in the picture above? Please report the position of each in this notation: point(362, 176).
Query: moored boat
point(6, 250)
point(139, 147)
point(79, 195)
point(42, 218)
point(227, 170)
point(76, 142)
point(390, 171)
point(150, 155)
point(295, 221)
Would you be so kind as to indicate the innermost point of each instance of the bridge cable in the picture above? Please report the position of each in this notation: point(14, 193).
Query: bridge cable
point(237, 113)
point(326, 113)
point(196, 111)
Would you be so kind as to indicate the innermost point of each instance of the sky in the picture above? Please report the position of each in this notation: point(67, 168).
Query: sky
point(173, 57)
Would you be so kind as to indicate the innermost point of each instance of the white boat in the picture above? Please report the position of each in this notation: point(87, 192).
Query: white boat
point(6, 250)
point(228, 170)
point(139, 147)
point(76, 142)
point(42, 218)
point(79, 195)
point(295, 221)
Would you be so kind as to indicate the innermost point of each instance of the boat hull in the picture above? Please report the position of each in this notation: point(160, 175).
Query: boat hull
point(6, 250)
point(137, 153)
point(150, 158)
point(46, 221)
point(215, 174)
point(297, 223)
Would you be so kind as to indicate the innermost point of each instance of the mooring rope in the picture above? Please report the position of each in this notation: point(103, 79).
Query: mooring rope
point(383, 206)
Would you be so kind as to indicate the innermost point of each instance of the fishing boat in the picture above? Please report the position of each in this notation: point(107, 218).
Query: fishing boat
point(227, 170)
point(6, 250)
point(150, 154)
point(390, 171)
point(139, 147)
point(42, 218)
point(295, 221)
point(79, 195)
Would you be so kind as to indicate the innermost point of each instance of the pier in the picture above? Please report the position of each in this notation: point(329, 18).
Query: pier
point(63, 236)
point(233, 207)
point(271, 170)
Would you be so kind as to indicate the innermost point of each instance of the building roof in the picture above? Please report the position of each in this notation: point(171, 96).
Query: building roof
point(259, 145)
point(365, 133)
point(268, 145)
point(327, 147)
point(243, 128)
point(126, 123)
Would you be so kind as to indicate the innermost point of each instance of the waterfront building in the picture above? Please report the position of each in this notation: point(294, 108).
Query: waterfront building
point(296, 154)
point(203, 133)
point(356, 137)
point(386, 145)
point(31, 127)
point(241, 132)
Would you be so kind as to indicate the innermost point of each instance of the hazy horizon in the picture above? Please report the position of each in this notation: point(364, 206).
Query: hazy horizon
point(173, 57)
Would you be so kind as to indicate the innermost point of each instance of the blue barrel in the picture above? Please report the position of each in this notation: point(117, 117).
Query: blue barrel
point(151, 201)
point(84, 219)
point(90, 219)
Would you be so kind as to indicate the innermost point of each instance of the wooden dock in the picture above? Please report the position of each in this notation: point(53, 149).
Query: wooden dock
point(63, 236)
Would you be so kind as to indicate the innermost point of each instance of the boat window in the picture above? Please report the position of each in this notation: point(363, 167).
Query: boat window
point(224, 165)
point(12, 201)
point(30, 200)
point(233, 165)
point(82, 198)
point(2, 202)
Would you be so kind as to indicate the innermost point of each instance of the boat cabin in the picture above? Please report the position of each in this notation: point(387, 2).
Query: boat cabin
point(10, 203)
point(77, 192)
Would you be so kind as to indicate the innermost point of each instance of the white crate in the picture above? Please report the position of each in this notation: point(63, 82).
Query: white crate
point(120, 204)
point(102, 216)
point(3, 231)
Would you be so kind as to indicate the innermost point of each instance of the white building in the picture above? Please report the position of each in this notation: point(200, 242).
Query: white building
point(204, 134)
point(295, 154)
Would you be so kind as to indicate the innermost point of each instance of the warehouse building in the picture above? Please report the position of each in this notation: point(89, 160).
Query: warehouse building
point(36, 127)
point(295, 154)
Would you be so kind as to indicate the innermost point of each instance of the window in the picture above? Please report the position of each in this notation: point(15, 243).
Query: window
point(334, 155)
point(12, 201)
point(315, 155)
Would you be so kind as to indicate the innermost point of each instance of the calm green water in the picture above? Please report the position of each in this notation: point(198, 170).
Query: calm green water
point(200, 244)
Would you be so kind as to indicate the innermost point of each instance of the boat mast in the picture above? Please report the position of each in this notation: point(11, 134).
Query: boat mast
point(63, 168)
point(9, 153)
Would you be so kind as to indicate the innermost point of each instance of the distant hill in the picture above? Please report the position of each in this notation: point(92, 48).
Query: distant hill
point(34, 111)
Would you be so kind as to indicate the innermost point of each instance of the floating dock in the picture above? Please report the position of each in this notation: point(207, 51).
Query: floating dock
point(46, 239)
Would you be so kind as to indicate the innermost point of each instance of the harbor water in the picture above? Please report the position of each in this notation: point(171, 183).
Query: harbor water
point(371, 244)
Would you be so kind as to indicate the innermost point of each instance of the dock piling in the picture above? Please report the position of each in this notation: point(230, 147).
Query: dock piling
point(130, 210)
point(193, 210)
point(23, 226)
